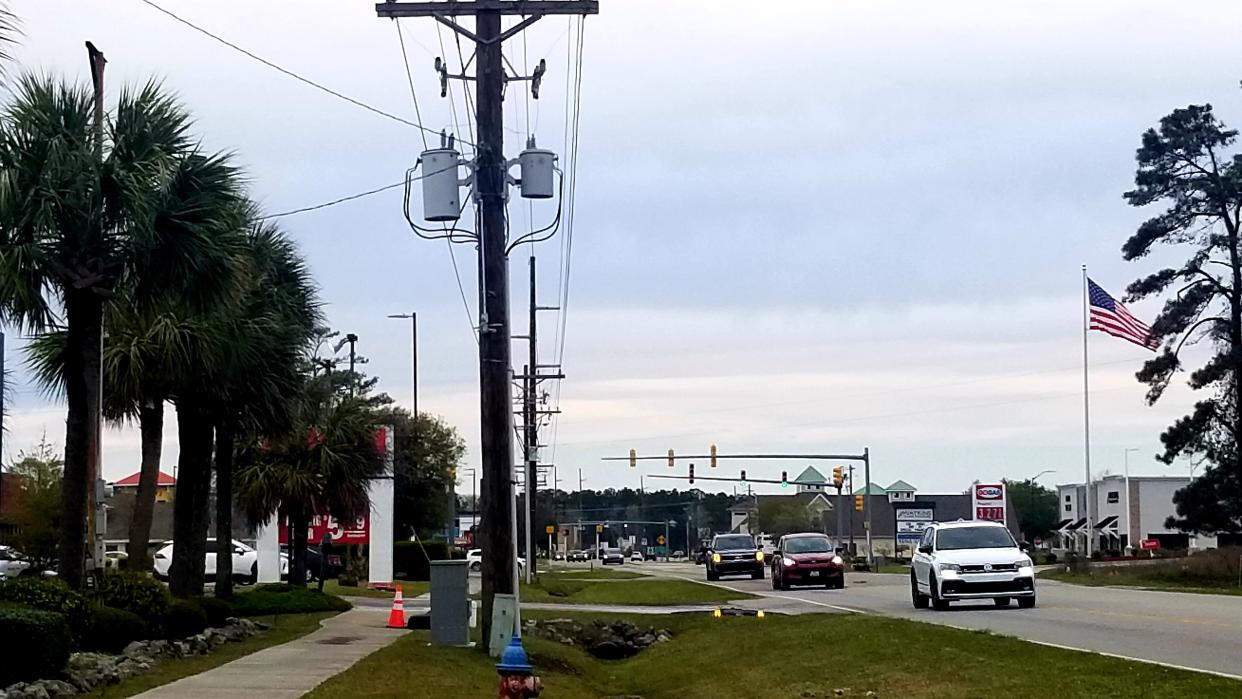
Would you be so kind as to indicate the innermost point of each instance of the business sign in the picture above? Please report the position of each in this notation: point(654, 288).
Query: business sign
point(1149, 544)
point(989, 502)
point(355, 532)
point(911, 522)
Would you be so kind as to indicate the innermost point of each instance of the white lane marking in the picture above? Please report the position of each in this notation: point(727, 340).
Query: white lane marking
point(768, 595)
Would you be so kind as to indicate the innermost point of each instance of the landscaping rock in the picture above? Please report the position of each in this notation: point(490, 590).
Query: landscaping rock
point(602, 639)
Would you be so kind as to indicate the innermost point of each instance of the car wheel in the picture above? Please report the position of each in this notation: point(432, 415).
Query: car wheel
point(712, 576)
point(776, 580)
point(1026, 602)
point(476, 566)
point(1002, 601)
point(918, 598)
point(936, 602)
point(757, 575)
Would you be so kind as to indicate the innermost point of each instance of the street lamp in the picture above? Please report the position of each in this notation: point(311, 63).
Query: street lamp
point(1041, 473)
point(1126, 472)
point(413, 318)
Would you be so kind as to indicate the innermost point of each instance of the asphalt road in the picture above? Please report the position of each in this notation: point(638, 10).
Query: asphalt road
point(1200, 632)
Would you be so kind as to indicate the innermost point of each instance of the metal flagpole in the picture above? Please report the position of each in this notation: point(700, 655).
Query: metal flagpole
point(1086, 407)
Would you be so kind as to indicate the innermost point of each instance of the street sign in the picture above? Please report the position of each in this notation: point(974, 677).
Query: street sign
point(660, 540)
point(989, 502)
point(1149, 544)
point(911, 521)
point(599, 529)
point(550, 529)
point(1039, 541)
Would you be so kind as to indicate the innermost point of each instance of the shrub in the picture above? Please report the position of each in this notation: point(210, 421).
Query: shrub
point(1050, 559)
point(50, 595)
point(37, 644)
point(285, 599)
point(216, 610)
point(112, 629)
point(134, 592)
point(183, 618)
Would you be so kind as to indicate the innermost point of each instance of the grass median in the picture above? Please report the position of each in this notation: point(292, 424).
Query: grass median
point(285, 628)
point(780, 657)
point(1114, 577)
point(574, 588)
point(409, 588)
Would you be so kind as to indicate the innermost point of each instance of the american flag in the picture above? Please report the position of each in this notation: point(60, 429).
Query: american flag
point(1107, 315)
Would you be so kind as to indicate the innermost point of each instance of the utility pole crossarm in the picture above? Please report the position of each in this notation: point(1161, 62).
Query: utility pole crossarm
point(455, 8)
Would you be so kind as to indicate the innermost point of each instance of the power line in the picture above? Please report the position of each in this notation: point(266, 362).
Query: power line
point(334, 202)
point(290, 73)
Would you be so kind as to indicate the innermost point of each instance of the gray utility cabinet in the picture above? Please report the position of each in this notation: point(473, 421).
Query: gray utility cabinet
point(450, 603)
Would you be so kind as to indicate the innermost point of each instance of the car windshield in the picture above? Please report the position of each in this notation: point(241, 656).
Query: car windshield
point(808, 544)
point(733, 543)
point(973, 538)
point(612, 552)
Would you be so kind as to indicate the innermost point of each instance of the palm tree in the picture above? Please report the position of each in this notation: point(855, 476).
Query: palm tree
point(77, 228)
point(322, 465)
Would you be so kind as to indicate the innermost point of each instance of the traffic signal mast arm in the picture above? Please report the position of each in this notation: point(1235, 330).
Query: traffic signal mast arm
point(716, 478)
point(816, 457)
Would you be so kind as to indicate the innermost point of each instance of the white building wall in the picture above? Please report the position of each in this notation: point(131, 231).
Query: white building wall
point(1156, 498)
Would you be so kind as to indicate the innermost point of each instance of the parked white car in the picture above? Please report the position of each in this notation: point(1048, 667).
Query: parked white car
point(969, 561)
point(245, 562)
point(636, 556)
point(12, 563)
point(474, 561)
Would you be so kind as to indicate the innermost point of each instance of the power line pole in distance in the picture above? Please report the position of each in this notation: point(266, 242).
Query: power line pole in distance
point(491, 179)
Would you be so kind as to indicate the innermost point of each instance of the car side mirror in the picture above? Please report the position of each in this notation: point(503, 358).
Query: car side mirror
point(1024, 546)
point(925, 549)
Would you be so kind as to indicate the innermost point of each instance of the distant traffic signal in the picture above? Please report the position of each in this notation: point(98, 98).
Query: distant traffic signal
point(838, 477)
point(633, 459)
point(858, 503)
point(691, 474)
point(671, 460)
point(713, 453)
point(784, 479)
point(743, 474)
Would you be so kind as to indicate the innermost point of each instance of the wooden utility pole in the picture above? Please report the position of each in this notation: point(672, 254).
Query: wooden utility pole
point(491, 179)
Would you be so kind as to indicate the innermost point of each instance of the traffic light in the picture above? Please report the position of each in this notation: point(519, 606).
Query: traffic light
point(670, 458)
point(713, 453)
point(743, 474)
point(838, 476)
point(691, 474)
point(858, 503)
point(633, 459)
point(784, 479)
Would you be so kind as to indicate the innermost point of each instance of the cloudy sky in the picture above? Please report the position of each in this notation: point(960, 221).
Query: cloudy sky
point(816, 227)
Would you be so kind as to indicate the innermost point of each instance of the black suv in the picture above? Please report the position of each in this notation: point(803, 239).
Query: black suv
point(734, 554)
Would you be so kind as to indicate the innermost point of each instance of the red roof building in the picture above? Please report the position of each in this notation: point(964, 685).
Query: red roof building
point(164, 481)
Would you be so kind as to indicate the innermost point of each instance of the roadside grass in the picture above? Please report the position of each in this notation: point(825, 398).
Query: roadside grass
point(599, 573)
point(285, 628)
point(644, 590)
point(409, 588)
point(780, 657)
point(1142, 579)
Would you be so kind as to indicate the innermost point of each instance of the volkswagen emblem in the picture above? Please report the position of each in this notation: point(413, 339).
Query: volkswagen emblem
point(987, 567)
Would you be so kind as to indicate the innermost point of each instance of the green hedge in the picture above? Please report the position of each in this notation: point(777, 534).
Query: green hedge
point(135, 592)
point(36, 644)
point(285, 599)
point(411, 563)
point(112, 629)
point(50, 595)
point(216, 610)
point(183, 618)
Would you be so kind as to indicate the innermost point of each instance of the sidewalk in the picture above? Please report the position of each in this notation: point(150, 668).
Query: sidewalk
point(292, 669)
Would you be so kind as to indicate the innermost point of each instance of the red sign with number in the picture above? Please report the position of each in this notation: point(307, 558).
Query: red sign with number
point(990, 514)
point(341, 532)
point(1149, 544)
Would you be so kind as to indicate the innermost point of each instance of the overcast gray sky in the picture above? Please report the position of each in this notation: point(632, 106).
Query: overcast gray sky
point(816, 227)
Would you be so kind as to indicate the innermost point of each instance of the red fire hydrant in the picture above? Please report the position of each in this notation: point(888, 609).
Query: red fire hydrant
point(517, 678)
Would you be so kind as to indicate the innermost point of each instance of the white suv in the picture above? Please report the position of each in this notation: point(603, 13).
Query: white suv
point(970, 560)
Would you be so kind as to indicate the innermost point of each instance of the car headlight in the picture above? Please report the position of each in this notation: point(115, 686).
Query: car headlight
point(759, 556)
point(949, 566)
point(1025, 562)
point(836, 560)
point(715, 558)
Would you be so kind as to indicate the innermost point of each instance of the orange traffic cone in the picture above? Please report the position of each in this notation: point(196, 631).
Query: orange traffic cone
point(396, 618)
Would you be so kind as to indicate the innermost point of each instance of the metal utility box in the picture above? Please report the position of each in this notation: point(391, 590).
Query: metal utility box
point(450, 603)
point(441, 189)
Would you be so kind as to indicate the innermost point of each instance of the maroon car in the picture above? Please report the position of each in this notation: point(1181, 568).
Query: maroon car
point(807, 559)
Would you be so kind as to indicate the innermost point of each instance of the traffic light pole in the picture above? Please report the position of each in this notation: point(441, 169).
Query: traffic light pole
point(851, 516)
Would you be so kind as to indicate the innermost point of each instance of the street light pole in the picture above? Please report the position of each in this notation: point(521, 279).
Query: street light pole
point(1129, 544)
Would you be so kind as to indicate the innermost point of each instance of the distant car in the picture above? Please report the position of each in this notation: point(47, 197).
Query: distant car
point(679, 554)
point(614, 556)
point(636, 556)
point(969, 561)
point(700, 558)
point(734, 554)
point(559, 556)
point(575, 556)
point(245, 562)
point(474, 561)
point(115, 560)
point(807, 559)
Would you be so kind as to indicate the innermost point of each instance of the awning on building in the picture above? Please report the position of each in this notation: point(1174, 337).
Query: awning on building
point(1076, 525)
point(1107, 522)
point(1061, 525)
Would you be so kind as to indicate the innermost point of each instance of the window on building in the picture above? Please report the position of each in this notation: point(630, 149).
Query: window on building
point(1068, 507)
point(1114, 497)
